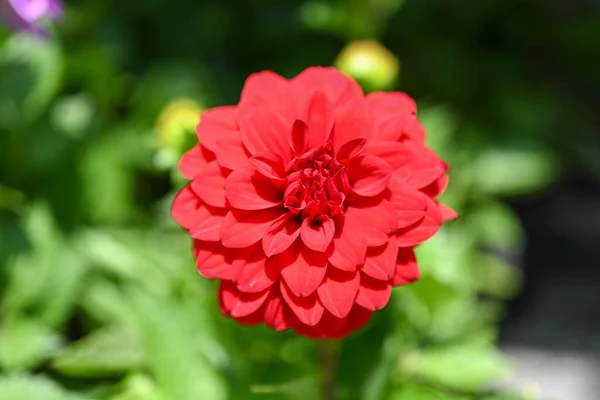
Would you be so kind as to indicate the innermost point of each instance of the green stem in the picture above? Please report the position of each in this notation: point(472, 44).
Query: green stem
point(328, 363)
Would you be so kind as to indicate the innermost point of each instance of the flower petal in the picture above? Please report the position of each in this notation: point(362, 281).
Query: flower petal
point(338, 87)
point(373, 294)
point(231, 154)
point(258, 274)
point(185, 207)
point(208, 227)
point(407, 270)
point(239, 304)
point(436, 188)
point(194, 160)
point(352, 120)
point(351, 149)
point(328, 327)
point(308, 309)
point(410, 205)
point(209, 185)
point(396, 154)
point(391, 112)
point(264, 131)
point(448, 214)
point(268, 89)
point(302, 269)
point(270, 166)
point(374, 220)
point(275, 311)
point(246, 189)
point(424, 229)
point(281, 234)
point(358, 317)
point(244, 228)
point(381, 261)
point(214, 261)
point(369, 176)
point(317, 234)
point(216, 123)
point(386, 103)
point(338, 291)
point(349, 248)
point(424, 169)
point(299, 136)
point(256, 318)
point(319, 118)
point(414, 131)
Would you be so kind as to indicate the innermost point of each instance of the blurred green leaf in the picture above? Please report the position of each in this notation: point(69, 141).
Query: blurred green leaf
point(497, 225)
point(108, 182)
point(106, 352)
point(463, 367)
point(439, 311)
point(377, 381)
point(29, 387)
point(25, 342)
point(73, 114)
point(349, 19)
point(39, 73)
point(514, 171)
point(168, 82)
point(412, 392)
point(440, 124)
point(135, 256)
point(137, 387)
point(448, 256)
point(497, 278)
point(305, 388)
point(104, 301)
point(45, 281)
point(180, 372)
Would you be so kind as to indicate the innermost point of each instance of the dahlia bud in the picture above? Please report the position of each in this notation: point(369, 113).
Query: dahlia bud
point(30, 15)
point(307, 199)
point(175, 129)
point(370, 63)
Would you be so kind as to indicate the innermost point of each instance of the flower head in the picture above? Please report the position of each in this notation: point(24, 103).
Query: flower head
point(28, 14)
point(307, 199)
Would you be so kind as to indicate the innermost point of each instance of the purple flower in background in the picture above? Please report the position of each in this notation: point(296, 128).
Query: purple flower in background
point(29, 14)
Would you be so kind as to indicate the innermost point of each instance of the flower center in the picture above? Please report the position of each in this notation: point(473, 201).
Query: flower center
point(317, 184)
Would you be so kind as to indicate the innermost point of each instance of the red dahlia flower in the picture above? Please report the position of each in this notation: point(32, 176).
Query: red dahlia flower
point(307, 199)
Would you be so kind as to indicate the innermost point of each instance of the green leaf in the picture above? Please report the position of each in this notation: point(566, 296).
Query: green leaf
point(420, 393)
point(181, 373)
point(73, 114)
point(29, 387)
point(497, 278)
point(137, 387)
point(104, 353)
point(46, 281)
point(105, 303)
point(24, 343)
point(513, 171)
point(31, 71)
point(300, 389)
point(136, 256)
point(439, 311)
point(108, 182)
point(447, 256)
point(497, 225)
point(440, 124)
point(463, 367)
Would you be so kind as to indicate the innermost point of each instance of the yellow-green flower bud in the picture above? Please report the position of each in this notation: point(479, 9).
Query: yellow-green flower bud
point(370, 63)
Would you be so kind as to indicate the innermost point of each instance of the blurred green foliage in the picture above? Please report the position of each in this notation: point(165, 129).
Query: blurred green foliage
point(99, 297)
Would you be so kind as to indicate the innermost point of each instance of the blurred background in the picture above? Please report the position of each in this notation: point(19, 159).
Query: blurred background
point(99, 296)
